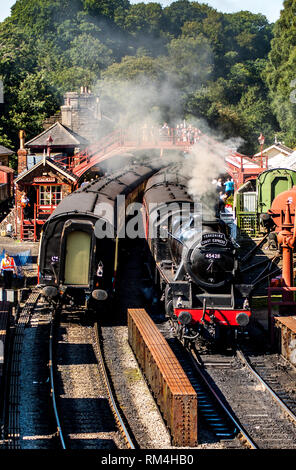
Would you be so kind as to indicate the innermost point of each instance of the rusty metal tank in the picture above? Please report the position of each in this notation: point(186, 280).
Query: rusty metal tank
point(278, 206)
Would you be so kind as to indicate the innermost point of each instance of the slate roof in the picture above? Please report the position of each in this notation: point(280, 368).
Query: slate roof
point(60, 168)
point(6, 169)
point(282, 161)
point(277, 146)
point(61, 135)
point(5, 151)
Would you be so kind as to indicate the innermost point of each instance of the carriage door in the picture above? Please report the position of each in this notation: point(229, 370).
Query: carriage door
point(77, 258)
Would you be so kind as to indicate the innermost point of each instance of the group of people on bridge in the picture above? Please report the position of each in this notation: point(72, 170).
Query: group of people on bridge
point(182, 134)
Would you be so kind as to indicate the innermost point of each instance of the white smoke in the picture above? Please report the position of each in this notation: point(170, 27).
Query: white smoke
point(206, 162)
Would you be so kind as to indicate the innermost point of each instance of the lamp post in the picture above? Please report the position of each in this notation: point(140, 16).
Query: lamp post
point(261, 140)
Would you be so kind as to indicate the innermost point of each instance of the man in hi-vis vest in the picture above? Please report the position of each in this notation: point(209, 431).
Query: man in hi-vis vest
point(8, 267)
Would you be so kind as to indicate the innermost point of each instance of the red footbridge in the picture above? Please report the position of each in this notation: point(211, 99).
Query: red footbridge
point(239, 167)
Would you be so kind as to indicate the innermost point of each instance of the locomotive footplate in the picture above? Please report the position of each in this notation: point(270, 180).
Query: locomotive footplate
point(228, 317)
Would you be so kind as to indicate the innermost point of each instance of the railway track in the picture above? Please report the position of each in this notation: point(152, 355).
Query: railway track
point(262, 416)
point(246, 400)
point(212, 410)
point(81, 388)
point(62, 360)
point(277, 376)
point(13, 391)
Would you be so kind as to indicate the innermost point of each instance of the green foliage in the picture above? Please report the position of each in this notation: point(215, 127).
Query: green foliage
point(280, 72)
point(185, 60)
point(104, 8)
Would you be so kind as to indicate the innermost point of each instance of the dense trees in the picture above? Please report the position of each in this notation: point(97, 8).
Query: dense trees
point(281, 72)
point(186, 60)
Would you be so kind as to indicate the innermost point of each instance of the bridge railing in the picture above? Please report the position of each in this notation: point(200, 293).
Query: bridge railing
point(145, 136)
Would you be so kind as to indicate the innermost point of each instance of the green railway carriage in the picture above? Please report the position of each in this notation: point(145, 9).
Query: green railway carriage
point(255, 198)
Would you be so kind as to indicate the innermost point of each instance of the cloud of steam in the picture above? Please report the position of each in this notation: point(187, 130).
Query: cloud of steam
point(147, 100)
point(143, 102)
point(206, 162)
point(147, 90)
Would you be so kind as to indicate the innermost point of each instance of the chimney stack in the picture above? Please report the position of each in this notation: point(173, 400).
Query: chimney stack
point(22, 153)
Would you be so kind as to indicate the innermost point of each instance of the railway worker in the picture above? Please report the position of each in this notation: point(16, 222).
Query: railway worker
point(8, 267)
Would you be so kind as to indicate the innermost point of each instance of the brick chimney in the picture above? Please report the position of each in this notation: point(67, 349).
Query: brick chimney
point(22, 160)
point(22, 153)
point(82, 113)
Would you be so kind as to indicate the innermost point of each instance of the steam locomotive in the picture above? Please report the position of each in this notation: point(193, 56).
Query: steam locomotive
point(195, 261)
point(79, 244)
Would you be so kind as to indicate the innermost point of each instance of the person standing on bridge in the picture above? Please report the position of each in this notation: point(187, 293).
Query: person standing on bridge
point(8, 267)
point(164, 131)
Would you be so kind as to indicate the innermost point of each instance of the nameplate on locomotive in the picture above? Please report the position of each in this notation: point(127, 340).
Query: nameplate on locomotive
point(214, 239)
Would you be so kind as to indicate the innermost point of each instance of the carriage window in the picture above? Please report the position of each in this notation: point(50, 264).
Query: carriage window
point(50, 195)
point(77, 258)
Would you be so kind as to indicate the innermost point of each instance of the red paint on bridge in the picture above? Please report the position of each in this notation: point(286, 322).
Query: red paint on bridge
point(240, 167)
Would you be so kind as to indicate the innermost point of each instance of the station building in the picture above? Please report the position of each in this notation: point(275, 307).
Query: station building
point(46, 163)
point(6, 175)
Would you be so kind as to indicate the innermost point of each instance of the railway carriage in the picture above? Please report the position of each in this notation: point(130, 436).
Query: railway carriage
point(79, 245)
point(255, 197)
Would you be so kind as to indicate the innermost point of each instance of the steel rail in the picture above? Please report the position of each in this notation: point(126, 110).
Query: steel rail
point(278, 400)
point(12, 384)
point(242, 431)
point(112, 401)
point(52, 382)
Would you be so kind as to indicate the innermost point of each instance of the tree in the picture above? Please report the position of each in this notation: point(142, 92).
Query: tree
point(183, 11)
point(186, 59)
point(249, 34)
point(89, 53)
point(35, 100)
point(280, 72)
point(189, 62)
point(41, 17)
point(105, 8)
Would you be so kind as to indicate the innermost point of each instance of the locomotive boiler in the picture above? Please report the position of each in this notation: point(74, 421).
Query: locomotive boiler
point(196, 261)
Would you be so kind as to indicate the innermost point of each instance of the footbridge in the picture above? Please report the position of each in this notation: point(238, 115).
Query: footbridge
point(240, 167)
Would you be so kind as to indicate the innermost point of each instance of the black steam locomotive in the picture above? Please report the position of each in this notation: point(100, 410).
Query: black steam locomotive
point(80, 241)
point(195, 259)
